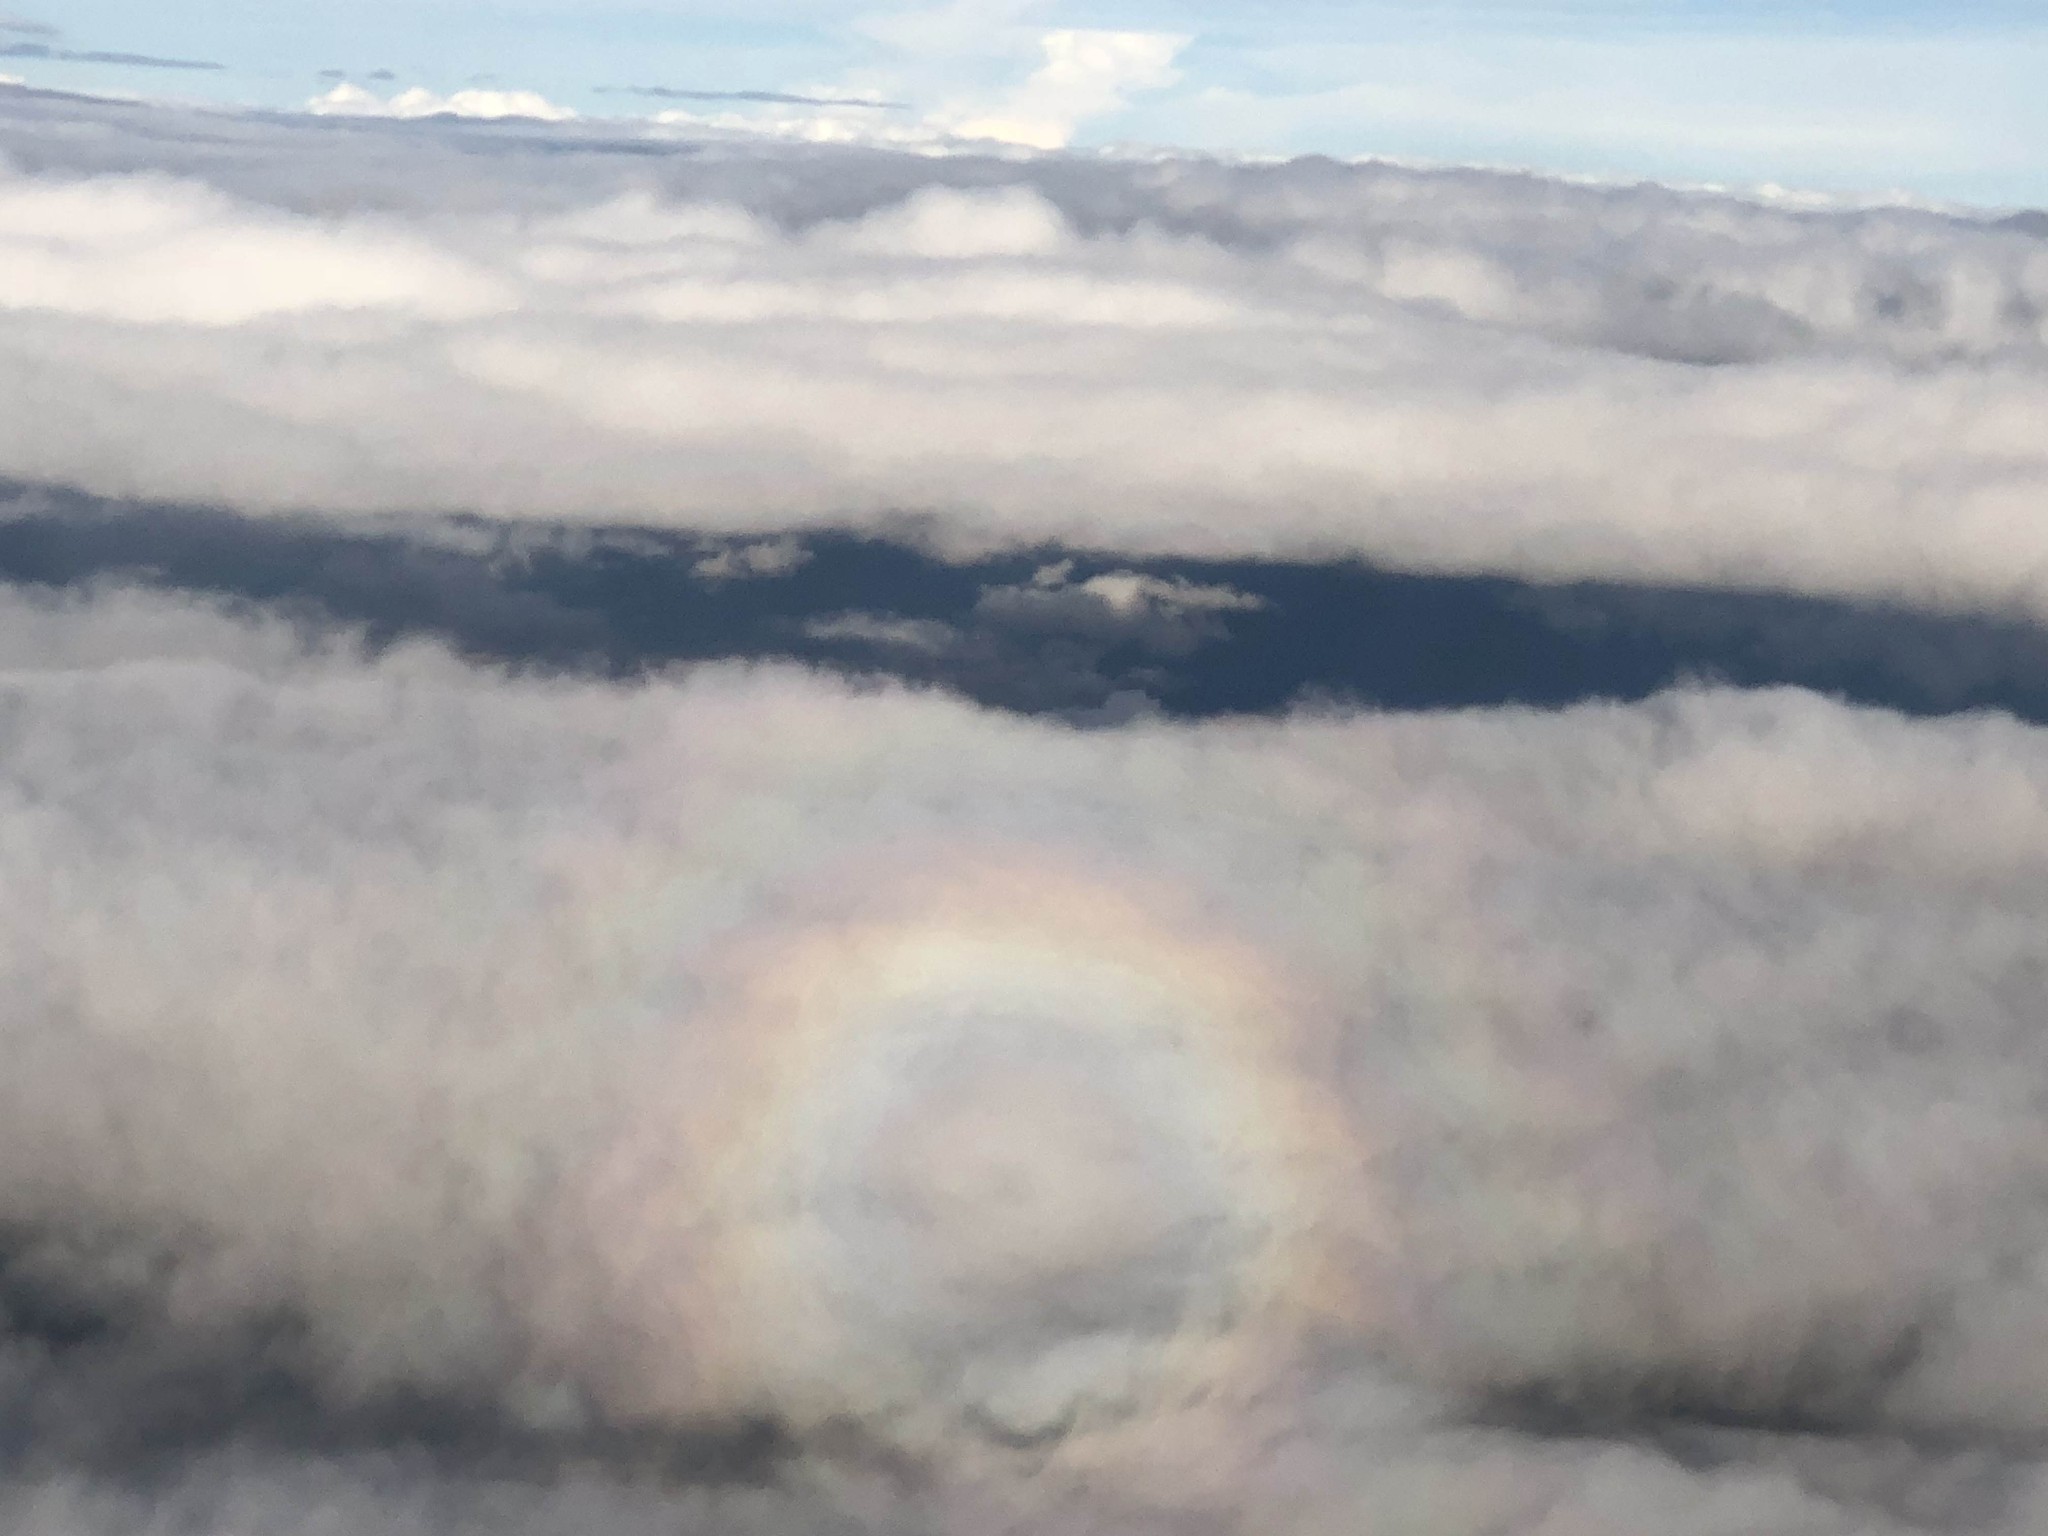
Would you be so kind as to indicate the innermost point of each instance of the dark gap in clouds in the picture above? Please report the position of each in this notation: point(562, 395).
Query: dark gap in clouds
point(1044, 631)
point(777, 98)
point(96, 56)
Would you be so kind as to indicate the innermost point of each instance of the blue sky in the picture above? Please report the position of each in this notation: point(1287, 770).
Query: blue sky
point(1941, 101)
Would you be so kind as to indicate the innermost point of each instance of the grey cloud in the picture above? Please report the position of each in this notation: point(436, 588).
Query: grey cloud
point(1434, 371)
point(22, 26)
point(96, 56)
point(931, 637)
point(1632, 1121)
point(745, 561)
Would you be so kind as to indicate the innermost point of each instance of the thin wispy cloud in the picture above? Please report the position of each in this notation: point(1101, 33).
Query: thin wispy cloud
point(776, 98)
point(56, 55)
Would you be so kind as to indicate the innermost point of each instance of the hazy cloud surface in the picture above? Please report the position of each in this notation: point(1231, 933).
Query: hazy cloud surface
point(704, 837)
point(428, 1083)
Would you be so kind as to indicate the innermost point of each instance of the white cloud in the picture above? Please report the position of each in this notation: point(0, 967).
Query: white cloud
point(1438, 370)
point(350, 100)
point(1080, 76)
point(1086, 74)
point(148, 251)
point(1169, 616)
point(548, 1050)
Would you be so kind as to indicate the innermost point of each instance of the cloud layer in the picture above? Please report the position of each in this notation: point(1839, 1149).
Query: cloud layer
point(556, 1062)
point(426, 1081)
point(1446, 371)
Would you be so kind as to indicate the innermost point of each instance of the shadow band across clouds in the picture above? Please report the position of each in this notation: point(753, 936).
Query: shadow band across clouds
point(1095, 638)
point(116, 1384)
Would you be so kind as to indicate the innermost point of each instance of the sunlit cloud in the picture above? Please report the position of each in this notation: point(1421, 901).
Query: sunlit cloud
point(349, 100)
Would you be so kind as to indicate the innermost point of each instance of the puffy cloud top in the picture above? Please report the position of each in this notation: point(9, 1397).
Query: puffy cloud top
point(350, 100)
point(1440, 370)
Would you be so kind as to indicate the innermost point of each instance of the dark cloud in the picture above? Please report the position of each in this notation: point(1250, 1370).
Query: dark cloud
point(22, 26)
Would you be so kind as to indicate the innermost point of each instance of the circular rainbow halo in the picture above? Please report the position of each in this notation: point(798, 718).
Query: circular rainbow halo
point(990, 1143)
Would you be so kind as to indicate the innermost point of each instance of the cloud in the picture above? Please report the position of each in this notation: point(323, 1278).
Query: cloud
point(145, 251)
point(1170, 616)
point(554, 1061)
point(57, 55)
point(347, 100)
point(763, 557)
point(22, 26)
point(1086, 74)
point(770, 98)
point(445, 1100)
point(931, 637)
point(1440, 371)
point(968, 56)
